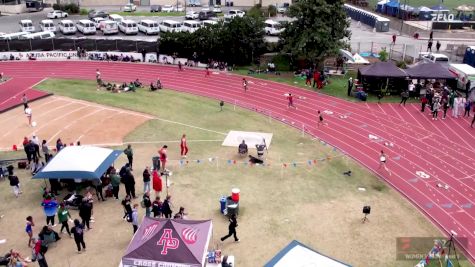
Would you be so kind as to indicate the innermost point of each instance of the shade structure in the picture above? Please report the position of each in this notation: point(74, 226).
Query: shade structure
point(169, 242)
point(359, 59)
point(347, 55)
point(296, 254)
point(465, 8)
point(429, 70)
point(79, 162)
point(382, 69)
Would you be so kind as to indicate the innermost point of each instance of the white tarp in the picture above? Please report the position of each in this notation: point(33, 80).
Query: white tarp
point(234, 138)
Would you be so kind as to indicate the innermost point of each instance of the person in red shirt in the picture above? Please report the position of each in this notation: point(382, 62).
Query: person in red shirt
point(244, 84)
point(156, 182)
point(207, 72)
point(290, 98)
point(316, 79)
point(183, 146)
point(163, 156)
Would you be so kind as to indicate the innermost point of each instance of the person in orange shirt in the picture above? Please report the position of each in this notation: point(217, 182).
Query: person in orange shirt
point(163, 156)
point(183, 146)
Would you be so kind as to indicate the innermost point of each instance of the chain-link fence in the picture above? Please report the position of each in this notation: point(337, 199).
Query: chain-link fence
point(62, 44)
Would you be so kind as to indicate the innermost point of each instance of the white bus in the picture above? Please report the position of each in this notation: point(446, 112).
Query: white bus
point(170, 26)
point(67, 27)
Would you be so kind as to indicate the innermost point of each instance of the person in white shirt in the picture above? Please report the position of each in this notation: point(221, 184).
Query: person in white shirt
point(29, 114)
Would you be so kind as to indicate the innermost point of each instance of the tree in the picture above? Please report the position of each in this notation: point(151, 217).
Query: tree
point(318, 31)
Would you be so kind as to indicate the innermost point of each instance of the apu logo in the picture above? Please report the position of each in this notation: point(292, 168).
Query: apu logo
point(167, 241)
point(149, 231)
point(189, 235)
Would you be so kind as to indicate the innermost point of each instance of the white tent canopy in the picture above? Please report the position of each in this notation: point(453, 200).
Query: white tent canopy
point(79, 162)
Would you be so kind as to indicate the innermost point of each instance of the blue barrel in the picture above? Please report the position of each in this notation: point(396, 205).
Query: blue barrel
point(222, 201)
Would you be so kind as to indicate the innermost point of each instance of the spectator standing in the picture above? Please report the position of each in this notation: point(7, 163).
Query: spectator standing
point(130, 155)
point(394, 39)
point(147, 203)
point(431, 35)
point(163, 156)
point(144, 53)
point(445, 107)
point(467, 107)
point(97, 183)
point(50, 207)
point(232, 229)
point(36, 145)
point(350, 86)
point(129, 181)
point(24, 100)
point(180, 214)
point(404, 97)
point(135, 218)
point(157, 182)
point(429, 45)
point(59, 145)
point(98, 78)
point(435, 110)
point(127, 208)
point(308, 78)
point(115, 182)
point(78, 232)
point(63, 217)
point(46, 151)
point(157, 207)
point(452, 96)
point(437, 46)
point(85, 212)
point(167, 207)
point(14, 182)
point(183, 146)
point(461, 107)
point(37, 254)
point(146, 180)
point(411, 89)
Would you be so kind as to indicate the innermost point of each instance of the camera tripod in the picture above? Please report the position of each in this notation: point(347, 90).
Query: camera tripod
point(451, 244)
point(365, 218)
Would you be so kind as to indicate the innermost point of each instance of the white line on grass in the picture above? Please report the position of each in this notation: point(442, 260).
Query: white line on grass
point(188, 125)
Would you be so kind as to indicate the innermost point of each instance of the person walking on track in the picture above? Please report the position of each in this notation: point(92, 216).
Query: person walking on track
point(244, 84)
point(232, 229)
point(183, 146)
point(382, 162)
point(207, 72)
point(290, 99)
point(320, 119)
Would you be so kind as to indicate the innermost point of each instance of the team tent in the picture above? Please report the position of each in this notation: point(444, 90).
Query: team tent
point(79, 162)
point(169, 242)
point(297, 254)
point(429, 70)
point(382, 76)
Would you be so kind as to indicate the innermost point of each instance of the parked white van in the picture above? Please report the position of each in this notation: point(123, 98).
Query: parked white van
point(97, 22)
point(170, 26)
point(209, 23)
point(67, 27)
point(128, 27)
point(13, 36)
point(273, 27)
point(26, 25)
point(435, 58)
point(117, 18)
point(109, 27)
point(86, 27)
point(464, 73)
point(148, 26)
point(47, 25)
point(190, 26)
point(38, 35)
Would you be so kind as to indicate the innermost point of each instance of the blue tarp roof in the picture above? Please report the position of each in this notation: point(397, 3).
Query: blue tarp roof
point(439, 7)
point(393, 4)
point(79, 162)
point(297, 254)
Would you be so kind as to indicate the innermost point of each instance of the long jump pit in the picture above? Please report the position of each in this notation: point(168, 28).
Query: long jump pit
point(71, 120)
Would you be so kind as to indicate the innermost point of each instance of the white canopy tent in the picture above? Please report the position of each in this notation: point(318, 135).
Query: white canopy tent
point(79, 162)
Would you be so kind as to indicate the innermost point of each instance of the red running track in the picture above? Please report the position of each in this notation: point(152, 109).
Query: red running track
point(13, 89)
point(444, 149)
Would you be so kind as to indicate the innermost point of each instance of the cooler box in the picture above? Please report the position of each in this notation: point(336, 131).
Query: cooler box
point(156, 163)
point(235, 194)
point(222, 202)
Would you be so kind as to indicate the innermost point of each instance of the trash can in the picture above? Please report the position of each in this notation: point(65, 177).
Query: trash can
point(156, 163)
point(222, 202)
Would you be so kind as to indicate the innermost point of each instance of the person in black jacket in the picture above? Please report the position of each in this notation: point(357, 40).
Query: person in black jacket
point(166, 207)
point(14, 181)
point(232, 229)
point(129, 181)
point(147, 203)
point(127, 208)
point(85, 212)
point(78, 232)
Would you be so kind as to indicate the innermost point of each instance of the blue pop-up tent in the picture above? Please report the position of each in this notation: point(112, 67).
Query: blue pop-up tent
point(297, 254)
point(79, 162)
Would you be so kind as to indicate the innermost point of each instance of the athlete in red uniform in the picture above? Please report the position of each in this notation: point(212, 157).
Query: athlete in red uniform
point(290, 98)
point(183, 146)
point(163, 156)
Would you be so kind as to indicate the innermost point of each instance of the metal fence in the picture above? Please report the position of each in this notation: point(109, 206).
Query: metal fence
point(63, 44)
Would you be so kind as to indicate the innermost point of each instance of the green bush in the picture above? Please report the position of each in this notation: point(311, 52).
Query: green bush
point(282, 62)
point(272, 11)
point(56, 7)
point(83, 11)
point(255, 11)
point(69, 8)
point(383, 55)
point(401, 64)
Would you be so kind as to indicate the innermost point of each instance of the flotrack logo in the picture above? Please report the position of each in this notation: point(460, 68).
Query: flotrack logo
point(167, 241)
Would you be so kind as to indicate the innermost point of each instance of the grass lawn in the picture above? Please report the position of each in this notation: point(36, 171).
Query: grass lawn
point(429, 3)
point(337, 87)
point(314, 204)
point(151, 14)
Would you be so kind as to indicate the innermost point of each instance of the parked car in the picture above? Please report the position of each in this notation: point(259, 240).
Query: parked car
point(205, 8)
point(190, 26)
point(117, 18)
point(178, 8)
point(129, 7)
point(273, 27)
point(217, 9)
point(148, 26)
point(155, 8)
point(128, 27)
point(57, 14)
point(109, 27)
point(193, 2)
point(47, 25)
point(97, 13)
point(167, 8)
point(207, 23)
point(86, 27)
point(206, 15)
point(97, 21)
point(67, 27)
point(26, 25)
point(235, 12)
point(170, 26)
point(192, 15)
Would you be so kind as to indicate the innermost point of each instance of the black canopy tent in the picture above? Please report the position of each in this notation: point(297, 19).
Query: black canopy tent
point(430, 70)
point(382, 76)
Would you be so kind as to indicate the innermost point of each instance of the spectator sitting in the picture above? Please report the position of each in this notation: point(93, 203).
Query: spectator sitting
point(270, 67)
point(242, 148)
point(47, 237)
point(137, 83)
point(159, 84)
point(181, 214)
point(153, 87)
point(132, 87)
